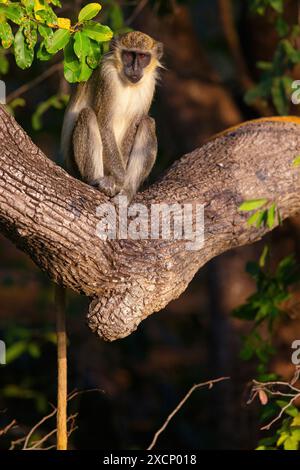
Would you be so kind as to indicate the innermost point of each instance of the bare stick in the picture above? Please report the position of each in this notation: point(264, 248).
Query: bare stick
point(209, 384)
point(267, 388)
point(36, 81)
point(37, 445)
point(8, 427)
point(141, 5)
point(45, 418)
point(61, 417)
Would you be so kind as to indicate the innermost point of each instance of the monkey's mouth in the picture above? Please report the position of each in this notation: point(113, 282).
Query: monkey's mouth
point(134, 78)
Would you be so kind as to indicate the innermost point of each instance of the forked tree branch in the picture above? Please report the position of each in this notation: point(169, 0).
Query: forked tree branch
point(52, 217)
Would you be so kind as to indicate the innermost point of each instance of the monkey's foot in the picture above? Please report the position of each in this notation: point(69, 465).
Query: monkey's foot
point(106, 185)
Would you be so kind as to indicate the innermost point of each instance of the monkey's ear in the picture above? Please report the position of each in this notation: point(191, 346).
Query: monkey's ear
point(113, 43)
point(159, 50)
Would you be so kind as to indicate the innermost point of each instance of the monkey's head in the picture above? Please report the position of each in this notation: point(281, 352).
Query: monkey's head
point(136, 53)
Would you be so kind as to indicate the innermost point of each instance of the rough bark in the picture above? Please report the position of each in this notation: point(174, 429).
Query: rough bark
point(52, 217)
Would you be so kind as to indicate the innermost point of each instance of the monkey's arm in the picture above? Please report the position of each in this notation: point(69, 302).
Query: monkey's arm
point(88, 149)
point(142, 157)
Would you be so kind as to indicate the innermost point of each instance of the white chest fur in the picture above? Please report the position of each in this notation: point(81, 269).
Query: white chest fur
point(131, 101)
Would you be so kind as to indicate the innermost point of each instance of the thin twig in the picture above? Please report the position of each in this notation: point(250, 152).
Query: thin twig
point(36, 426)
point(268, 426)
point(140, 6)
point(36, 81)
point(75, 393)
point(37, 444)
point(8, 427)
point(209, 384)
point(267, 388)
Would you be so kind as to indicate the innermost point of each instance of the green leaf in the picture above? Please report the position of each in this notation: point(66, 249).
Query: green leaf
point(15, 351)
point(34, 350)
point(279, 96)
point(277, 5)
point(58, 41)
point(253, 220)
point(116, 17)
point(81, 49)
point(56, 101)
point(13, 12)
point(98, 32)
point(23, 54)
point(4, 64)
point(296, 162)
point(291, 443)
point(30, 33)
point(81, 45)
point(56, 3)
point(271, 216)
point(42, 53)
point(282, 27)
point(6, 35)
point(263, 65)
point(45, 31)
point(252, 204)
point(89, 11)
point(94, 54)
point(72, 66)
point(263, 256)
point(16, 103)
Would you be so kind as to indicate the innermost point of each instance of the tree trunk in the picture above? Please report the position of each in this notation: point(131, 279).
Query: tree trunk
point(53, 217)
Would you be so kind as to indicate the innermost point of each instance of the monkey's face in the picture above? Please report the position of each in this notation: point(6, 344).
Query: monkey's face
point(134, 63)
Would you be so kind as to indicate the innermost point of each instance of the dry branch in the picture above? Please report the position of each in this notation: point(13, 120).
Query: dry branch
point(52, 217)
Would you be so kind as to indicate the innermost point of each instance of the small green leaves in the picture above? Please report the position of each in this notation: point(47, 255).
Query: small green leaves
point(296, 161)
point(252, 204)
point(89, 11)
point(98, 32)
point(58, 41)
point(83, 44)
point(265, 217)
point(23, 53)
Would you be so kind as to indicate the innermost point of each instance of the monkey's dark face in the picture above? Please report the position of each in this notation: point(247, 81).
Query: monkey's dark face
point(134, 63)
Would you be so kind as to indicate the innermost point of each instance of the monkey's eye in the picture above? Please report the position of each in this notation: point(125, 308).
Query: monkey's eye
point(144, 59)
point(127, 57)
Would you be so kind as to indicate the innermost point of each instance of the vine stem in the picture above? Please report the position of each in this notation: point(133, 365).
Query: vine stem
point(61, 417)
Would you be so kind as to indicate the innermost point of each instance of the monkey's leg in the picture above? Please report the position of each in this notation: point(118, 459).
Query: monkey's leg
point(142, 157)
point(88, 153)
point(87, 146)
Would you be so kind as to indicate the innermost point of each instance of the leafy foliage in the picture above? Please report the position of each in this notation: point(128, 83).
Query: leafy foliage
point(265, 216)
point(287, 436)
point(275, 83)
point(40, 32)
point(265, 307)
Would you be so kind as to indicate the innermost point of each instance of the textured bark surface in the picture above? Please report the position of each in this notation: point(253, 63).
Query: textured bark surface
point(52, 217)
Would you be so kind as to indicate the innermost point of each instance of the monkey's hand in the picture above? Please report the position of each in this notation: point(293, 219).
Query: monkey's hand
point(107, 185)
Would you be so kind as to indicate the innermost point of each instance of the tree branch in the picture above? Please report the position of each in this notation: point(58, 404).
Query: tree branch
point(53, 218)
